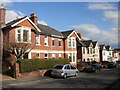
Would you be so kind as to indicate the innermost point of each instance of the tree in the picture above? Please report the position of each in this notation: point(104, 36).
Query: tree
point(17, 49)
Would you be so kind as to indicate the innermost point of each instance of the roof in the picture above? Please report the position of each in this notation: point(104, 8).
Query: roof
point(107, 47)
point(101, 46)
point(67, 33)
point(13, 22)
point(87, 42)
point(47, 30)
point(94, 43)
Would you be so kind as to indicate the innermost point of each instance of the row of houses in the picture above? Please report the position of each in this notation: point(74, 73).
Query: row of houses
point(48, 42)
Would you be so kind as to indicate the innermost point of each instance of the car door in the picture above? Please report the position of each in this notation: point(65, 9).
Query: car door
point(73, 70)
point(68, 70)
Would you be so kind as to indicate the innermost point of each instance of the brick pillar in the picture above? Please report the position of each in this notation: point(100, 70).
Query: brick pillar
point(16, 73)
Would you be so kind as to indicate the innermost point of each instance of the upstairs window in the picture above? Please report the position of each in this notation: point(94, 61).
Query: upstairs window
point(23, 35)
point(37, 39)
point(19, 35)
point(53, 42)
point(69, 42)
point(72, 42)
point(60, 42)
point(46, 40)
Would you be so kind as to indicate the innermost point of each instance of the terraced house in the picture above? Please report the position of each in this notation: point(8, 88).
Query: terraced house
point(46, 41)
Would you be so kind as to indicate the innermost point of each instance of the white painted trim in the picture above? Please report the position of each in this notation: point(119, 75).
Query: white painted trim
point(24, 20)
point(51, 51)
point(75, 33)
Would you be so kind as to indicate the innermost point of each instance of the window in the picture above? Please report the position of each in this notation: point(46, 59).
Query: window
point(46, 40)
point(91, 50)
point(53, 42)
point(68, 67)
point(23, 34)
point(37, 39)
point(73, 41)
point(18, 35)
point(72, 67)
point(60, 55)
point(70, 56)
point(37, 55)
point(87, 50)
point(46, 55)
point(83, 50)
point(109, 53)
point(59, 42)
point(73, 57)
point(53, 55)
point(69, 42)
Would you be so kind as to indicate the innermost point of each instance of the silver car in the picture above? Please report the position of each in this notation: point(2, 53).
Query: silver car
point(64, 71)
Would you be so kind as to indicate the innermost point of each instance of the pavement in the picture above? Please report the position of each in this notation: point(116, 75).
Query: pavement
point(5, 78)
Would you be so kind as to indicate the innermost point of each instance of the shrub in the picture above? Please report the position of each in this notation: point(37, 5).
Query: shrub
point(28, 65)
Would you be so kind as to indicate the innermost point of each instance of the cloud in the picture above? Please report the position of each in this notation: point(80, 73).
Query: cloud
point(111, 16)
point(12, 15)
point(42, 22)
point(90, 31)
point(101, 6)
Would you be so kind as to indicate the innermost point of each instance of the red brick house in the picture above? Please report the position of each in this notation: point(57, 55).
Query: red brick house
point(48, 42)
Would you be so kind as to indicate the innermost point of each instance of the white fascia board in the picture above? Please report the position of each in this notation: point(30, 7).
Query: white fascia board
point(76, 35)
point(29, 21)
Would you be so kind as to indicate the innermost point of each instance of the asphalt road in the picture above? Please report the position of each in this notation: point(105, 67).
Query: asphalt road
point(102, 79)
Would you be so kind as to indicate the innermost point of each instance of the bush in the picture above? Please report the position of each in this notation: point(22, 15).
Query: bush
point(28, 65)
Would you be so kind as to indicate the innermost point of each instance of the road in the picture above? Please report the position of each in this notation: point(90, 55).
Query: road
point(100, 79)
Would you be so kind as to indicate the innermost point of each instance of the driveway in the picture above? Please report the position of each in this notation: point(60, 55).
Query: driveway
point(102, 79)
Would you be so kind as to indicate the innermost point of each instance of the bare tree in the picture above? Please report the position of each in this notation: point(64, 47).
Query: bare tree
point(18, 49)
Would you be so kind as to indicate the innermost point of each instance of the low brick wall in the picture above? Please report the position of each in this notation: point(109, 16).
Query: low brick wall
point(31, 74)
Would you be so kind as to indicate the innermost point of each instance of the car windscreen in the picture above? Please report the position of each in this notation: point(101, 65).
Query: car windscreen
point(58, 67)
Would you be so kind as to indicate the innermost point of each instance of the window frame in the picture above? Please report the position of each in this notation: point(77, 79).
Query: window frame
point(45, 40)
point(22, 29)
point(37, 36)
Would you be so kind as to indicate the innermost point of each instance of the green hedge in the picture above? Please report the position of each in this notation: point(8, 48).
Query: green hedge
point(28, 65)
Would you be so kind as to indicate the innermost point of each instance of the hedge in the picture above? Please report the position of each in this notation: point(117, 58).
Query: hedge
point(28, 65)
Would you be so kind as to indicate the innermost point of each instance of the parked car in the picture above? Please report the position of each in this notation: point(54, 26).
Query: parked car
point(97, 67)
point(112, 65)
point(64, 71)
point(88, 69)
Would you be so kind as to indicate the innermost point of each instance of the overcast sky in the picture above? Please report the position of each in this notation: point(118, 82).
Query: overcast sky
point(94, 20)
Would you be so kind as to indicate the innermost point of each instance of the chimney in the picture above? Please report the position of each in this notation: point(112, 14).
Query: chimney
point(80, 35)
point(34, 18)
point(2, 16)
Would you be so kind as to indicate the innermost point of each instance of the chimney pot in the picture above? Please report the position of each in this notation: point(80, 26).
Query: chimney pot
point(34, 18)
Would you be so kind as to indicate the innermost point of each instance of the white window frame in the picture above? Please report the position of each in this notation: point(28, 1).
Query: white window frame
point(46, 41)
point(47, 56)
point(54, 42)
point(21, 34)
point(59, 40)
point(53, 55)
point(38, 55)
point(37, 39)
point(72, 40)
point(60, 55)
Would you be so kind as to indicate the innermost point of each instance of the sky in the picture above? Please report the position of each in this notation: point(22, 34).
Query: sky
point(94, 20)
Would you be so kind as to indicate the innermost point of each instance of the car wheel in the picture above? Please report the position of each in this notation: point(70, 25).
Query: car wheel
point(65, 76)
point(76, 74)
